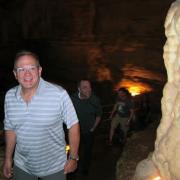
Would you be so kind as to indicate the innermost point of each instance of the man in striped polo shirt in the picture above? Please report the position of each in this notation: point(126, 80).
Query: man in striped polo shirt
point(35, 112)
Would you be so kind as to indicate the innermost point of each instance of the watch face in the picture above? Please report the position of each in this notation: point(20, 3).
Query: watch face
point(76, 158)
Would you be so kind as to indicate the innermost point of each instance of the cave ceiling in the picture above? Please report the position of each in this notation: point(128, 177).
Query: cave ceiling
point(106, 40)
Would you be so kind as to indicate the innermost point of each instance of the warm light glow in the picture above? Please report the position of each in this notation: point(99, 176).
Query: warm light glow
point(67, 149)
point(156, 178)
point(135, 79)
point(134, 90)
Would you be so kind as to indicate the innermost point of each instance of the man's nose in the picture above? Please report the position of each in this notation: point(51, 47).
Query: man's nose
point(27, 71)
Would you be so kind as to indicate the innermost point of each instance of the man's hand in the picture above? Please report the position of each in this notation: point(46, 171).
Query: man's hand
point(128, 123)
point(7, 168)
point(92, 129)
point(70, 166)
point(10, 138)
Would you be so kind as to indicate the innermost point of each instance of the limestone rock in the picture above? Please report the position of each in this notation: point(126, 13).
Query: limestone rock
point(146, 173)
point(165, 158)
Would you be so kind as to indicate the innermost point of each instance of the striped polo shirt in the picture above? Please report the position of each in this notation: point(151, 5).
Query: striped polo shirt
point(40, 139)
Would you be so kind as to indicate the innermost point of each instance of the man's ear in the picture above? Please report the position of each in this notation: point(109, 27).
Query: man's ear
point(15, 74)
point(40, 70)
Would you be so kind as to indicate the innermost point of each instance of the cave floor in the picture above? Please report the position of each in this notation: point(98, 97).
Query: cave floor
point(104, 158)
point(104, 163)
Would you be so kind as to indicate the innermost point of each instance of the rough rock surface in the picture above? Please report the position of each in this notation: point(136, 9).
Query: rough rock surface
point(137, 148)
point(164, 161)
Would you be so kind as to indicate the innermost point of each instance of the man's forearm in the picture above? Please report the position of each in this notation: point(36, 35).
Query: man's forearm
point(10, 138)
point(74, 139)
point(131, 116)
point(113, 111)
point(98, 119)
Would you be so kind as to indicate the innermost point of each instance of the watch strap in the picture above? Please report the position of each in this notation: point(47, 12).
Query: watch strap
point(73, 157)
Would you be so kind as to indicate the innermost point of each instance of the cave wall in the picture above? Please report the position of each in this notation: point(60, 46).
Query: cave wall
point(96, 39)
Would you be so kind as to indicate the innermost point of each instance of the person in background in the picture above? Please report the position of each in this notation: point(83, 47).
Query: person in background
point(35, 111)
point(122, 114)
point(89, 112)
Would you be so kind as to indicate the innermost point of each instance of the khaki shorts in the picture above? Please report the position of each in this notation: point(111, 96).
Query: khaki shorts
point(122, 121)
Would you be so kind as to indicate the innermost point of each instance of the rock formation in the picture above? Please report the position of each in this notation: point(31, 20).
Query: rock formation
point(164, 162)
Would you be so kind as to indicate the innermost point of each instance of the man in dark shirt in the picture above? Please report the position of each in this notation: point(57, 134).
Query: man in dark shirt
point(89, 113)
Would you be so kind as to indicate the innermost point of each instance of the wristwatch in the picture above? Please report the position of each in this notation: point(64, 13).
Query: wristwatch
point(72, 157)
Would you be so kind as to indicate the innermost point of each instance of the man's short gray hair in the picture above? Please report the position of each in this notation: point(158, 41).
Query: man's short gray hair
point(26, 53)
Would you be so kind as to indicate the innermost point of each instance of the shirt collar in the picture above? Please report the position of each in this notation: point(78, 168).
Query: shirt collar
point(79, 96)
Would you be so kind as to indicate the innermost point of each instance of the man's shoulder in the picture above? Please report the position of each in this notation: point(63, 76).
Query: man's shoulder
point(54, 87)
point(94, 100)
point(94, 97)
point(52, 90)
point(12, 90)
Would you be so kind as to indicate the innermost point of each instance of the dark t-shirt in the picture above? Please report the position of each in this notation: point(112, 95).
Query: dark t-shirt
point(87, 111)
point(124, 107)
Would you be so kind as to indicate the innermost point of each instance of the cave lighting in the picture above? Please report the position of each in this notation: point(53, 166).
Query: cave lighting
point(156, 178)
point(137, 89)
point(134, 90)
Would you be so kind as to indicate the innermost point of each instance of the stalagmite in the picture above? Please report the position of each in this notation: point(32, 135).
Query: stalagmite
point(164, 162)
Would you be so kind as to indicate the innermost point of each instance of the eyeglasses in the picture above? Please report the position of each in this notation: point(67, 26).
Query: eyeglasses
point(31, 69)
